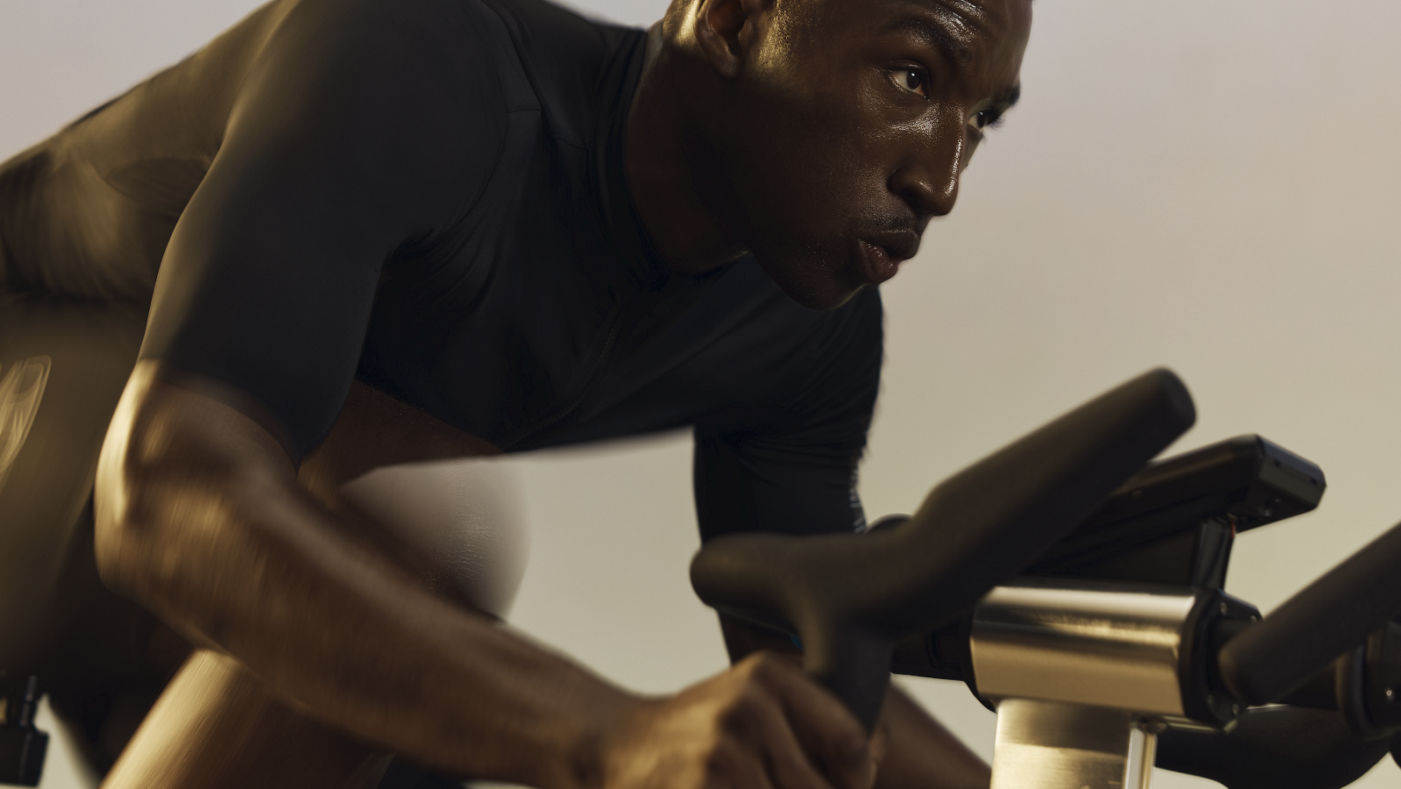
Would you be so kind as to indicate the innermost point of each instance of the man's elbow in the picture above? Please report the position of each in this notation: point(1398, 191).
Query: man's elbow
point(171, 468)
point(127, 527)
point(124, 481)
point(110, 523)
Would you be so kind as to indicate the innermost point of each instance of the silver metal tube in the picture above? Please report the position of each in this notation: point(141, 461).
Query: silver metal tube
point(1047, 745)
point(1105, 645)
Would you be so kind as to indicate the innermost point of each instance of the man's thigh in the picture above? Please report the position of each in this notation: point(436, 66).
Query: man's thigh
point(217, 726)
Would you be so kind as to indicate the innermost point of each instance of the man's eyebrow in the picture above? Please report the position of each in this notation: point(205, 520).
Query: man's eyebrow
point(934, 34)
point(1007, 97)
point(940, 35)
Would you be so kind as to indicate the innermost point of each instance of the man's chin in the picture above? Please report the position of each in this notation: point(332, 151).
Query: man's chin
point(823, 290)
point(830, 301)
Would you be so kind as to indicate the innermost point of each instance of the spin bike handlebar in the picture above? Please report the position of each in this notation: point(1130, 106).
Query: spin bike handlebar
point(850, 598)
point(1330, 616)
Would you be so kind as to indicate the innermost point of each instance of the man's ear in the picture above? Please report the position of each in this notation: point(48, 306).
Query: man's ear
point(727, 29)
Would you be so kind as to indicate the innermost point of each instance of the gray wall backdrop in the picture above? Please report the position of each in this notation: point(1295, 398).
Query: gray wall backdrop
point(1206, 185)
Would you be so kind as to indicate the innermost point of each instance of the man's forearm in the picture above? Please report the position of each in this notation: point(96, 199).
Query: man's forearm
point(922, 753)
point(246, 559)
point(358, 644)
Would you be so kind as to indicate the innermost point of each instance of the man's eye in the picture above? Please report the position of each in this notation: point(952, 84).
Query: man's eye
point(911, 80)
point(987, 119)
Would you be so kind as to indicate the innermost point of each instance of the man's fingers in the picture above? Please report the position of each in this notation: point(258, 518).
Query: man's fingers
point(880, 744)
point(824, 727)
point(788, 762)
point(733, 768)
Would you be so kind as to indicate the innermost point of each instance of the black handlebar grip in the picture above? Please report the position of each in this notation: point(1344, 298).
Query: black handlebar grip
point(851, 597)
point(1335, 613)
point(1276, 747)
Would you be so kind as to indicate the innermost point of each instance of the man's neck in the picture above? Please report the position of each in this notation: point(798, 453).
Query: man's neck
point(664, 168)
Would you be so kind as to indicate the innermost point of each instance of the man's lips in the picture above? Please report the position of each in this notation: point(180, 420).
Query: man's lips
point(882, 253)
point(899, 245)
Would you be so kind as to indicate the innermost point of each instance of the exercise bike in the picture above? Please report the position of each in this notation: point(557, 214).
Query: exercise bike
point(1077, 589)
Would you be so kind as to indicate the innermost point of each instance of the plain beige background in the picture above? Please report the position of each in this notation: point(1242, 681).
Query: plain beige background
point(1201, 184)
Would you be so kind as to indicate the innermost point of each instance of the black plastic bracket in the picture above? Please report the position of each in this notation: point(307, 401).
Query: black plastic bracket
point(22, 747)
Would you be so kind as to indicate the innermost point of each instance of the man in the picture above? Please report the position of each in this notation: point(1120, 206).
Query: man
point(534, 230)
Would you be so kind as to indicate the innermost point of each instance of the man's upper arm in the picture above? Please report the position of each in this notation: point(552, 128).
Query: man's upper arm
point(362, 128)
point(797, 474)
point(801, 478)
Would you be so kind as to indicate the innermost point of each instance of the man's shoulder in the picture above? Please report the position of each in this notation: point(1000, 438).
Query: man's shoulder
point(818, 370)
point(817, 338)
point(826, 359)
point(554, 54)
point(553, 23)
point(433, 28)
point(842, 382)
point(572, 61)
point(538, 29)
point(366, 78)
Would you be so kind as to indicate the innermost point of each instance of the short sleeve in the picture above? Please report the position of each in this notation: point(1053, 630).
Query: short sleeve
point(362, 129)
point(797, 471)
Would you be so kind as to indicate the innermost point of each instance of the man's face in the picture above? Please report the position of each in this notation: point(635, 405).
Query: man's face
point(850, 125)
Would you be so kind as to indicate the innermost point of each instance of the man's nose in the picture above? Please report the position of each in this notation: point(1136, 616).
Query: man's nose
point(928, 181)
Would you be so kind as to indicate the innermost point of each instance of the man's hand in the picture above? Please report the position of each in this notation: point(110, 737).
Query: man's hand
point(761, 725)
point(911, 747)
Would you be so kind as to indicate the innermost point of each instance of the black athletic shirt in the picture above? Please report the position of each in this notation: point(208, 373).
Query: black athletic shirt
point(429, 195)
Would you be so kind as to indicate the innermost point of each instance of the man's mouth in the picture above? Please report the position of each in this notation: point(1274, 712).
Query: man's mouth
point(882, 253)
point(899, 245)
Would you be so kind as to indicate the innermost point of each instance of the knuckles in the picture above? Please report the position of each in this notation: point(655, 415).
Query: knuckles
point(727, 732)
point(719, 761)
point(739, 711)
point(764, 667)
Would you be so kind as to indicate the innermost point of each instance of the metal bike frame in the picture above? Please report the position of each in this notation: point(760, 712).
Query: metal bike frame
point(1083, 676)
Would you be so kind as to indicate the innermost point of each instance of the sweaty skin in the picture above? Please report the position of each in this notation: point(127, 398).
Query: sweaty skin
point(809, 133)
point(810, 125)
point(217, 725)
